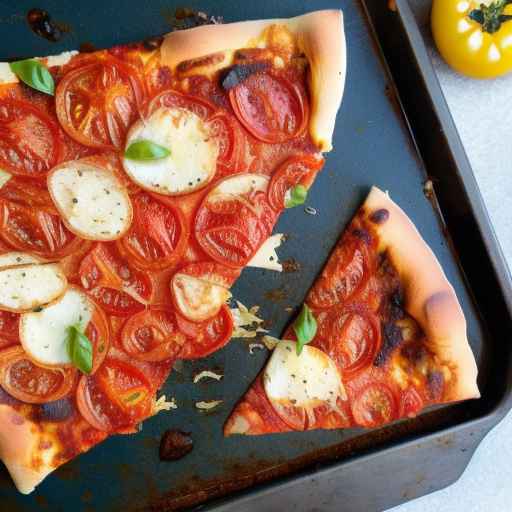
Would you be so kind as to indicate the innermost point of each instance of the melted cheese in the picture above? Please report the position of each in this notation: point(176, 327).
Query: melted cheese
point(240, 184)
point(4, 176)
point(13, 259)
point(43, 334)
point(307, 380)
point(93, 202)
point(58, 60)
point(266, 257)
point(193, 159)
point(6, 75)
point(24, 287)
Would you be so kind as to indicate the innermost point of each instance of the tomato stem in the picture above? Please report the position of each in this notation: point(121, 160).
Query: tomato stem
point(491, 16)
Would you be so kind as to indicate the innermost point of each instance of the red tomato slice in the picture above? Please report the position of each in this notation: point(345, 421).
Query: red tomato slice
point(411, 403)
point(206, 337)
point(97, 102)
point(98, 333)
point(351, 336)
point(117, 396)
point(153, 335)
point(346, 273)
point(29, 139)
point(158, 235)
point(224, 128)
point(116, 285)
point(234, 219)
point(272, 109)
point(30, 383)
point(9, 328)
point(170, 98)
point(296, 170)
point(29, 221)
point(374, 406)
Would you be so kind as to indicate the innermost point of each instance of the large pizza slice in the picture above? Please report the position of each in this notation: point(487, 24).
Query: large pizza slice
point(136, 184)
point(380, 337)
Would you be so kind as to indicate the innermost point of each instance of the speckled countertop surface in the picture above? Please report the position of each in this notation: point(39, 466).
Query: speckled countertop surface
point(483, 116)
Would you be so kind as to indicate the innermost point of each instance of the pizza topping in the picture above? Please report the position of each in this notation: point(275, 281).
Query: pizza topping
point(435, 384)
point(9, 328)
point(375, 405)
point(297, 385)
point(208, 405)
point(93, 202)
point(391, 339)
point(270, 341)
point(162, 404)
point(30, 144)
point(267, 257)
point(28, 382)
point(117, 396)
point(153, 335)
point(56, 411)
point(247, 322)
point(272, 109)
point(240, 72)
point(379, 216)
point(207, 374)
point(13, 259)
point(191, 159)
point(146, 150)
point(175, 444)
point(411, 403)
point(24, 287)
point(79, 349)
point(34, 74)
point(305, 327)
point(235, 219)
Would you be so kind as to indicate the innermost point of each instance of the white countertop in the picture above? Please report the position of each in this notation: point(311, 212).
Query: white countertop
point(483, 115)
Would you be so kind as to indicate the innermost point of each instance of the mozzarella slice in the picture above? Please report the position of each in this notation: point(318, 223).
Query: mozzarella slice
point(240, 185)
point(4, 177)
point(13, 259)
point(24, 287)
point(197, 299)
point(193, 159)
point(6, 75)
point(266, 257)
point(94, 203)
point(43, 334)
point(308, 380)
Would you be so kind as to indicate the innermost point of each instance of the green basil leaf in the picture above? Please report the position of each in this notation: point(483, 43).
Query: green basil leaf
point(298, 195)
point(34, 74)
point(305, 327)
point(146, 150)
point(79, 349)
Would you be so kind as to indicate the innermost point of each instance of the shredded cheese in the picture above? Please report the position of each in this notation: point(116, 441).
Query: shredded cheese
point(207, 374)
point(247, 323)
point(162, 404)
point(270, 342)
point(208, 405)
point(254, 346)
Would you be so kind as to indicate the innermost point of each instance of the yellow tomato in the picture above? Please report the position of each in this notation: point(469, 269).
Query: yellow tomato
point(474, 37)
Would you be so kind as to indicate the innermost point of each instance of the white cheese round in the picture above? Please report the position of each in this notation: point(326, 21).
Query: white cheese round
point(14, 259)
point(93, 202)
point(192, 162)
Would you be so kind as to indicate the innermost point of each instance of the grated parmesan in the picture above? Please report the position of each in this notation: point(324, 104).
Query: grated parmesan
point(207, 374)
point(270, 342)
point(247, 323)
point(208, 405)
point(162, 404)
point(254, 346)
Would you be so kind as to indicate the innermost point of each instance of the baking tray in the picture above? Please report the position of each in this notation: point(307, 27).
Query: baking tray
point(375, 143)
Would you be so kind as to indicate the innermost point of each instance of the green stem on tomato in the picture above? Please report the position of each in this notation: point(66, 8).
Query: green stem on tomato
point(491, 16)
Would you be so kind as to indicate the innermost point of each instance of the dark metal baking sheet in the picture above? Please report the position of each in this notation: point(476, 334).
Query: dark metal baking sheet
point(359, 470)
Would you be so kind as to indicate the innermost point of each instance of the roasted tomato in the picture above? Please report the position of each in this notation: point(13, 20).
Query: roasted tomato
point(9, 328)
point(96, 103)
point(116, 285)
point(117, 396)
point(474, 36)
point(411, 403)
point(272, 109)
point(171, 98)
point(234, 219)
point(153, 335)
point(28, 382)
point(375, 405)
point(158, 235)
point(29, 139)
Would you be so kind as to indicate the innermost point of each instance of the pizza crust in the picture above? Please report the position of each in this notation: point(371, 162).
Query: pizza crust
point(429, 297)
point(318, 35)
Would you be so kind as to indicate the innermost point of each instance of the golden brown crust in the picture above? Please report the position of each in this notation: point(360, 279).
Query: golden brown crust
point(429, 297)
point(318, 35)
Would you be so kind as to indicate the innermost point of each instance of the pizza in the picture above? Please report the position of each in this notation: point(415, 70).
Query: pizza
point(381, 336)
point(136, 184)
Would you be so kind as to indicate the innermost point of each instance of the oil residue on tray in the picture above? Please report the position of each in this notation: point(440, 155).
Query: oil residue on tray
point(290, 265)
point(42, 24)
point(175, 444)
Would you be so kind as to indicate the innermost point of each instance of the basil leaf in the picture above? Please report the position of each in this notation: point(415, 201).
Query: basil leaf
point(146, 150)
point(79, 349)
point(305, 328)
point(34, 74)
point(298, 195)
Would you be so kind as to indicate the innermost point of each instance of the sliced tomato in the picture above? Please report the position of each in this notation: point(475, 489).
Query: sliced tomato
point(29, 221)
point(224, 128)
point(97, 331)
point(351, 336)
point(374, 406)
point(117, 396)
point(272, 109)
point(344, 275)
point(234, 219)
point(30, 144)
point(206, 337)
point(116, 285)
point(411, 403)
point(30, 383)
point(9, 328)
point(96, 103)
point(153, 335)
point(158, 235)
point(296, 170)
point(171, 98)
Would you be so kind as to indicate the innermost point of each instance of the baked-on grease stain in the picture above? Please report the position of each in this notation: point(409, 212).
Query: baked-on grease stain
point(42, 24)
point(175, 444)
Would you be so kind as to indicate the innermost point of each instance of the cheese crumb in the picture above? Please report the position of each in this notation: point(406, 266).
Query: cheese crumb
point(162, 404)
point(207, 374)
point(208, 405)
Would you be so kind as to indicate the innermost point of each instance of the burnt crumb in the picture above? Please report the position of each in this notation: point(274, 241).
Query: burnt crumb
point(414, 352)
point(186, 17)
point(391, 339)
point(393, 306)
point(435, 384)
point(362, 234)
point(42, 24)
point(184, 12)
point(428, 189)
point(277, 295)
point(236, 74)
point(290, 265)
point(152, 43)
point(175, 444)
point(379, 216)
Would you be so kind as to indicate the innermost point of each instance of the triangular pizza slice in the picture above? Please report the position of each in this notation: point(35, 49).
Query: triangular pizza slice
point(380, 337)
